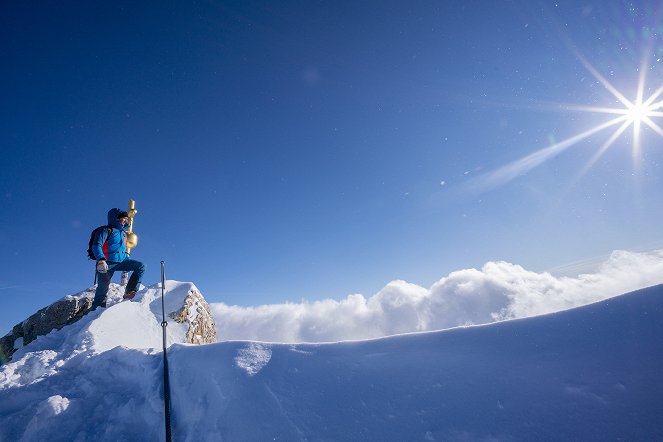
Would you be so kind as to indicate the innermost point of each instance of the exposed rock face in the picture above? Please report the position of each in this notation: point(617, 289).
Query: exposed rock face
point(63, 312)
point(196, 312)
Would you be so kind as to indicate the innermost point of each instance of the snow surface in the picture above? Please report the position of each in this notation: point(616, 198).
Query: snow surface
point(590, 373)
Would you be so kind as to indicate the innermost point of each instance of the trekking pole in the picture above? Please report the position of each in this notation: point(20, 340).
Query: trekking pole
point(166, 379)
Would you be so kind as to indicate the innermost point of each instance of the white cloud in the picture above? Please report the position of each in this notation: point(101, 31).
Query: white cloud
point(500, 290)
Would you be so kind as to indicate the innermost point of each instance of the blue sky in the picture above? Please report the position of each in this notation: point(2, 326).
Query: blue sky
point(306, 150)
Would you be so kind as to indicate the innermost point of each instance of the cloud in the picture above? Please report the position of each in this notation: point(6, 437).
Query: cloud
point(498, 291)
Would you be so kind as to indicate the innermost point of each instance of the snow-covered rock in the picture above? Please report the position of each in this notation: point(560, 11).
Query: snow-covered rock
point(196, 312)
point(185, 305)
point(62, 312)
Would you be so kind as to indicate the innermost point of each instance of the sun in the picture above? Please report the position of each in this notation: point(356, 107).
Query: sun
point(638, 113)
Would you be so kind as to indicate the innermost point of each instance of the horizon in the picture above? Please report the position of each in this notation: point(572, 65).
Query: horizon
point(496, 292)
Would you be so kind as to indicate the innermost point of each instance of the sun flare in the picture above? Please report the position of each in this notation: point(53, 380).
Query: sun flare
point(638, 113)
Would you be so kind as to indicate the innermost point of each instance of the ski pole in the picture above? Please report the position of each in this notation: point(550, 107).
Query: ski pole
point(166, 378)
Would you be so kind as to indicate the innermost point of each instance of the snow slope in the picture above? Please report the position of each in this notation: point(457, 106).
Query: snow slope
point(591, 373)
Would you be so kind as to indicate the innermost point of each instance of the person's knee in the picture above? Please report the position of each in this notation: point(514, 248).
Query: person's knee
point(141, 268)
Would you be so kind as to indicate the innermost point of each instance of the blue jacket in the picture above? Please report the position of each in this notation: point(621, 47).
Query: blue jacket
point(116, 249)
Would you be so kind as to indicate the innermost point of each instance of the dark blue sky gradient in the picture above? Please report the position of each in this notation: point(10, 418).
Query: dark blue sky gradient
point(310, 149)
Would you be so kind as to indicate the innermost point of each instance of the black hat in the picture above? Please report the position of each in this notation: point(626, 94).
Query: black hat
point(122, 214)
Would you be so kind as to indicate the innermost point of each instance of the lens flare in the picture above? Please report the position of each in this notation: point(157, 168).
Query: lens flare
point(636, 113)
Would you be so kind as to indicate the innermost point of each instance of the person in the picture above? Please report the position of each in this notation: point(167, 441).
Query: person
point(110, 250)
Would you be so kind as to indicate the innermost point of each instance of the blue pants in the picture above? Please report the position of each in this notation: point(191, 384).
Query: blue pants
point(104, 279)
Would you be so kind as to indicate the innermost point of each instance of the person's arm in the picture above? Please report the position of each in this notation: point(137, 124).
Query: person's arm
point(97, 245)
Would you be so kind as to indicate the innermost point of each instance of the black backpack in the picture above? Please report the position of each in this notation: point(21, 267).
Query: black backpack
point(93, 235)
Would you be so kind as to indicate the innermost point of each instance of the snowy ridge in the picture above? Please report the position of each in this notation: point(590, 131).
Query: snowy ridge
point(591, 373)
point(131, 325)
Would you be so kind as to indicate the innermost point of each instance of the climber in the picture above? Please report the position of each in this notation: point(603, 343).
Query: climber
point(109, 248)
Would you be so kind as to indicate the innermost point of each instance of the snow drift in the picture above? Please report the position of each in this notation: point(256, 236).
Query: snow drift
point(590, 373)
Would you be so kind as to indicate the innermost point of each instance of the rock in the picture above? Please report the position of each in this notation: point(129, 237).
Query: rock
point(63, 312)
point(196, 312)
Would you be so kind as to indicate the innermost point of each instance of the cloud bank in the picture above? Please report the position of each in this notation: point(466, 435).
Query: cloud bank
point(499, 291)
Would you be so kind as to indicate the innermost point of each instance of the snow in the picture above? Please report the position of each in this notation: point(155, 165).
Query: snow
point(253, 358)
point(117, 326)
point(589, 373)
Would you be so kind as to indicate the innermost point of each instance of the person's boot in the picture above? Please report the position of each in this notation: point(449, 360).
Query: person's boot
point(129, 295)
point(96, 305)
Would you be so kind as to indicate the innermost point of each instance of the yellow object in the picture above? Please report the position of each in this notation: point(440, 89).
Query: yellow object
point(132, 238)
